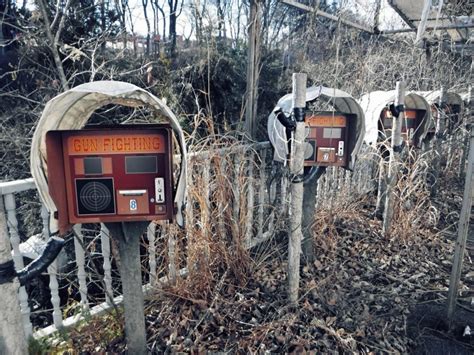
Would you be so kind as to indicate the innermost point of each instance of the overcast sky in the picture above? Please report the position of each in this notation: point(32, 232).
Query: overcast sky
point(389, 19)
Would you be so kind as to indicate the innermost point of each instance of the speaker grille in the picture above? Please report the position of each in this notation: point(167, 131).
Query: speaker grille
point(95, 196)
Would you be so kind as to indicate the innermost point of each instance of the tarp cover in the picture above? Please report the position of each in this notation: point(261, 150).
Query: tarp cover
point(373, 103)
point(340, 100)
point(465, 96)
point(433, 97)
point(73, 108)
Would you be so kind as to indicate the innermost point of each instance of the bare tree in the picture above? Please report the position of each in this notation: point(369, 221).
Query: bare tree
point(175, 8)
point(163, 15)
point(53, 39)
point(121, 8)
point(145, 13)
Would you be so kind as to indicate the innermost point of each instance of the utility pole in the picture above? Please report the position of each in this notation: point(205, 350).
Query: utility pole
point(12, 333)
point(394, 162)
point(296, 169)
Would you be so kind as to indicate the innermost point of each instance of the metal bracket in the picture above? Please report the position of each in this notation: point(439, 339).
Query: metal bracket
point(287, 121)
point(299, 114)
point(297, 179)
point(7, 272)
point(396, 110)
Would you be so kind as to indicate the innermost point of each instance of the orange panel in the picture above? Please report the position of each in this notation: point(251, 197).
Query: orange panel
point(326, 155)
point(115, 144)
point(326, 121)
point(410, 114)
point(79, 166)
point(107, 165)
point(132, 204)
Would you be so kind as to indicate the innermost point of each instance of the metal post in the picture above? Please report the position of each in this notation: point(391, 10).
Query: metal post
point(12, 332)
point(296, 168)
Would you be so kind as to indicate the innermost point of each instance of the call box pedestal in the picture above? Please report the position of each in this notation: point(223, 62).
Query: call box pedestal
point(128, 236)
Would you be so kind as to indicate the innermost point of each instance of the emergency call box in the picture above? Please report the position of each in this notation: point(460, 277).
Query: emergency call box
point(411, 125)
point(452, 115)
point(120, 173)
point(326, 142)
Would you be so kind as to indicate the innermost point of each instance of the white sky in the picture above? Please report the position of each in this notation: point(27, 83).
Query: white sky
point(183, 26)
point(389, 19)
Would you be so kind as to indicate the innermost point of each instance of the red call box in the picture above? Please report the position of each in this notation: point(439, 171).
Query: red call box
point(326, 140)
point(410, 125)
point(111, 174)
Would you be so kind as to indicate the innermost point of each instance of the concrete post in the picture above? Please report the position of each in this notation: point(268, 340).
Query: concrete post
point(128, 235)
point(12, 333)
point(394, 162)
point(296, 168)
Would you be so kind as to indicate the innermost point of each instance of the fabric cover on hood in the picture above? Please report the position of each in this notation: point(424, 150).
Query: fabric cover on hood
point(373, 104)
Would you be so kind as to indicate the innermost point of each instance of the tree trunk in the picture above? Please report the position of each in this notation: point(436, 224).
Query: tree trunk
point(120, 6)
point(103, 24)
point(162, 11)
point(172, 33)
point(53, 41)
point(2, 48)
point(220, 18)
point(198, 20)
point(148, 27)
point(253, 61)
